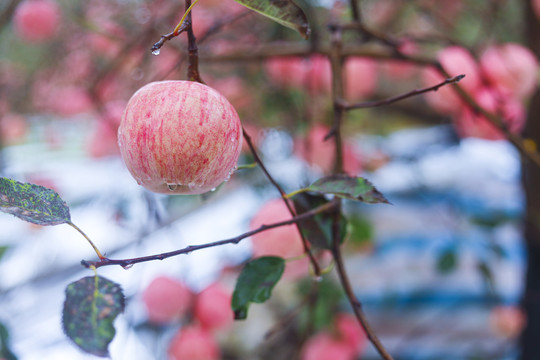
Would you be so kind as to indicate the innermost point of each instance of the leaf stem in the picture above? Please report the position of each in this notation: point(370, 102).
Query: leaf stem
point(247, 166)
point(101, 257)
point(296, 192)
point(175, 31)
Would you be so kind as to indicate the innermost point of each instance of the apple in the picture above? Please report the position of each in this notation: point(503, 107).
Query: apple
point(36, 21)
point(360, 78)
point(318, 75)
point(166, 300)
point(323, 346)
point(213, 308)
point(511, 69)
point(180, 137)
point(471, 124)
point(193, 343)
point(456, 61)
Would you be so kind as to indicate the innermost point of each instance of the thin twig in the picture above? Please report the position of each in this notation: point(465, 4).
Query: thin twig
point(126, 263)
point(369, 104)
point(305, 243)
point(347, 288)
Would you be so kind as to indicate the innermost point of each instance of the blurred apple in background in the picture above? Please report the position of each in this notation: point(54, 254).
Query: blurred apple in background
point(166, 300)
point(36, 21)
point(468, 123)
point(193, 343)
point(511, 69)
point(13, 128)
point(360, 77)
point(456, 61)
point(213, 308)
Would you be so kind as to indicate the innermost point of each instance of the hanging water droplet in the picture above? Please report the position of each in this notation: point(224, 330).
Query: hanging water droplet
point(213, 189)
point(156, 52)
point(318, 279)
point(172, 187)
point(127, 266)
point(192, 185)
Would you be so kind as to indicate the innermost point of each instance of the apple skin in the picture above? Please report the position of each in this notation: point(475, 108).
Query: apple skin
point(36, 21)
point(193, 343)
point(180, 137)
point(166, 300)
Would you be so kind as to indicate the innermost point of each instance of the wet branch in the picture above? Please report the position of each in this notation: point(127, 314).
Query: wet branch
point(126, 263)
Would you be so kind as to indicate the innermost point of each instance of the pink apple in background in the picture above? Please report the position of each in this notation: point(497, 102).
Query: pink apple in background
point(180, 137)
point(456, 61)
point(13, 128)
point(213, 308)
point(103, 140)
point(360, 76)
point(316, 151)
point(318, 75)
point(511, 69)
point(70, 100)
point(288, 72)
point(323, 346)
point(36, 21)
point(400, 69)
point(507, 321)
point(166, 300)
point(283, 241)
point(107, 40)
point(470, 124)
point(193, 343)
point(350, 331)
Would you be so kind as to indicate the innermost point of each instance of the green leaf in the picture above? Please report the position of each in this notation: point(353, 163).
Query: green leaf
point(447, 261)
point(284, 12)
point(5, 351)
point(348, 187)
point(92, 303)
point(255, 283)
point(318, 229)
point(33, 203)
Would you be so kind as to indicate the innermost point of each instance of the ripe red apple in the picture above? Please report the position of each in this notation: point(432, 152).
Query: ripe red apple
point(36, 21)
point(511, 69)
point(456, 61)
point(180, 137)
point(166, 300)
point(471, 124)
point(323, 346)
point(213, 308)
point(193, 343)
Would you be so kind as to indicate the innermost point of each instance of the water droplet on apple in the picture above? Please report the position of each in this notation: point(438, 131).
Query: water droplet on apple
point(192, 185)
point(156, 52)
point(172, 187)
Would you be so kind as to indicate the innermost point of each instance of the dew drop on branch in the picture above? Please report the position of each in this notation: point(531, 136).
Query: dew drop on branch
point(156, 52)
